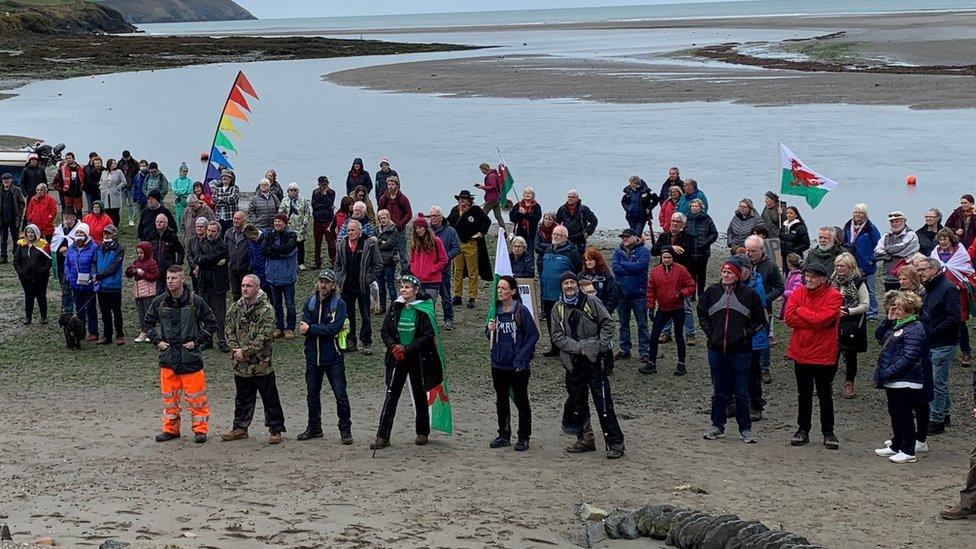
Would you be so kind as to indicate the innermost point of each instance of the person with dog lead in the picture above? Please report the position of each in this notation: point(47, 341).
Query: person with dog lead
point(323, 320)
point(79, 271)
point(582, 329)
point(411, 352)
point(32, 262)
point(471, 224)
point(64, 238)
point(250, 335)
point(109, 258)
point(179, 323)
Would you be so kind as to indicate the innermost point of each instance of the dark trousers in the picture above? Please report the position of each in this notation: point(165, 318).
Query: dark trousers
point(636, 225)
point(283, 298)
point(850, 365)
point(225, 225)
point(301, 252)
point(246, 398)
point(10, 230)
point(356, 301)
point(921, 412)
point(661, 319)
point(110, 304)
point(967, 496)
point(218, 304)
point(730, 375)
point(808, 375)
point(387, 283)
point(86, 308)
point(396, 377)
point(901, 407)
point(321, 231)
point(515, 385)
point(547, 310)
point(336, 374)
point(698, 269)
point(965, 347)
point(113, 214)
point(91, 198)
point(35, 290)
point(236, 277)
point(588, 376)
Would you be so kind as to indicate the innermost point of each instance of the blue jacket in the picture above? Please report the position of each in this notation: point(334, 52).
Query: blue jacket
point(138, 196)
point(631, 267)
point(259, 263)
point(867, 239)
point(325, 320)
point(941, 313)
point(281, 251)
point(761, 339)
point(452, 244)
point(905, 356)
point(557, 261)
point(80, 260)
point(108, 265)
point(516, 336)
point(684, 203)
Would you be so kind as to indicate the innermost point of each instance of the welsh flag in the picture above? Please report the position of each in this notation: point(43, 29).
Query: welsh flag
point(503, 266)
point(438, 401)
point(799, 180)
point(508, 184)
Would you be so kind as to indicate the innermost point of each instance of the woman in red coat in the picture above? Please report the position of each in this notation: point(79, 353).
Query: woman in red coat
point(668, 285)
point(428, 258)
point(42, 210)
point(813, 311)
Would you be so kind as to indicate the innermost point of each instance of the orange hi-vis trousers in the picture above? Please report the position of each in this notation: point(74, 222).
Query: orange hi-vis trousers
point(191, 386)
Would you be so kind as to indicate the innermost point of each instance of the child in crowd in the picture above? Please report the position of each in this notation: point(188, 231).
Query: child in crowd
point(145, 271)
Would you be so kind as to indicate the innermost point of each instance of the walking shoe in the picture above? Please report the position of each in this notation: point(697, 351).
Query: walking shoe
point(345, 438)
point(755, 414)
point(27, 322)
point(901, 458)
point(275, 438)
point(886, 451)
point(449, 325)
point(207, 345)
point(379, 443)
point(470, 304)
point(936, 428)
point(680, 369)
point(103, 341)
point(691, 341)
point(800, 437)
point(522, 445)
point(421, 440)
point(164, 436)
point(141, 337)
point(615, 452)
point(381, 311)
point(581, 446)
point(620, 355)
point(120, 341)
point(301, 267)
point(666, 338)
point(957, 513)
point(278, 333)
point(132, 223)
point(966, 360)
point(200, 438)
point(648, 369)
point(366, 350)
point(499, 442)
point(289, 334)
point(235, 434)
point(830, 442)
point(457, 301)
point(767, 377)
point(43, 320)
point(921, 447)
point(713, 433)
point(223, 347)
point(309, 434)
point(91, 338)
point(748, 437)
point(848, 390)
point(552, 352)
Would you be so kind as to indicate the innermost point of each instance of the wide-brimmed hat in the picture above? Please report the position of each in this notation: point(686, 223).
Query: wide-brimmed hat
point(464, 194)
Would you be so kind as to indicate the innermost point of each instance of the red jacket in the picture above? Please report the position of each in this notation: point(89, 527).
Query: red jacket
point(429, 266)
point(399, 208)
point(42, 212)
point(96, 224)
point(815, 319)
point(669, 287)
point(664, 216)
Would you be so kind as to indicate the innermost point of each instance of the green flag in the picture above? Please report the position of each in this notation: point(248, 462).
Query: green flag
point(799, 180)
point(508, 183)
point(438, 401)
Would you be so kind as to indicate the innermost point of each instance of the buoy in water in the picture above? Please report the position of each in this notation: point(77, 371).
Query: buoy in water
point(204, 157)
point(910, 180)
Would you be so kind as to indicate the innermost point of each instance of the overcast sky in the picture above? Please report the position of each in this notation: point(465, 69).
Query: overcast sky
point(265, 9)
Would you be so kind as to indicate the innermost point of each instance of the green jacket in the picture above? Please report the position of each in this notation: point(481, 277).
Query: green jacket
point(251, 328)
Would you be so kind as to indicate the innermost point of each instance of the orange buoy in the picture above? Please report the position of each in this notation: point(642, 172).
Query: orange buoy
point(910, 180)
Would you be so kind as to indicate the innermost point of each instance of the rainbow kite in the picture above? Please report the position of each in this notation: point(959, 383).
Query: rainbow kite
point(234, 110)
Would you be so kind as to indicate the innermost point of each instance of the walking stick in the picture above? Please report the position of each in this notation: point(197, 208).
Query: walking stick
point(386, 400)
point(603, 392)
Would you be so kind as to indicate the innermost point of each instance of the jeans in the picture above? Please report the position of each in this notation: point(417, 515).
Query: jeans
point(514, 385)
point(638, 306)
point(942, 359)
point(284, 293)
point(336, 374)
point(110, 303)
point(402, 252)
point(446, 298)
point(689, 320)
point(248, 389)
point(387, 283)
point(636, 225)
point(901, 404)
point(730, 370)
point(396, 376)
point(869, 281)
point(129, 206)
point(354, 301)
point(431, 290)
point(85, 300)
point(587, 375)
point(661, 319)
point(808, 375)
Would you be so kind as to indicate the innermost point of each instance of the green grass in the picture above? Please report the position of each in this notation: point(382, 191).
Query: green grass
point(828, 51)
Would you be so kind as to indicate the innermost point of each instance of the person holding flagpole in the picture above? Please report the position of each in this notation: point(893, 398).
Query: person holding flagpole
point(493, 193)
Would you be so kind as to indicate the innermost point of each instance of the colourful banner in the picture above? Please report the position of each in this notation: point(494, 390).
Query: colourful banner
point(234, 108)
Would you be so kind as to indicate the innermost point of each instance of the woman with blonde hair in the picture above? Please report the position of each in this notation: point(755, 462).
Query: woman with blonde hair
point(853, 333)
point(910, 281)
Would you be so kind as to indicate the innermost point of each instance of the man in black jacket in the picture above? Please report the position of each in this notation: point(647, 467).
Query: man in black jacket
point(941, 315)
point(471, 223)
point(12, 206)
point(147, 219)
point(167, 249)
point(323, 209)
point(578, 219)
point(673, 180)
point(213, 281)
point(32, 176)
point(638, 201)
point(238, 254)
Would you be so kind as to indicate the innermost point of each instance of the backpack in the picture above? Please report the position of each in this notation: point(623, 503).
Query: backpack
point(342, 336)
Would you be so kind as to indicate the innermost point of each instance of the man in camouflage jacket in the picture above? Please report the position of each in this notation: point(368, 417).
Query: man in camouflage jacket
point(250, 333)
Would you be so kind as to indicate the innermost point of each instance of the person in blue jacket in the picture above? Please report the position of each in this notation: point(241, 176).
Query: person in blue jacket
point(560, 257)
point(512, 337)
point(861, 236)
point(323, 324)
point(79, 270)
point(255, 247)
point(109, 258)
point(630, 263)
point(280, 247)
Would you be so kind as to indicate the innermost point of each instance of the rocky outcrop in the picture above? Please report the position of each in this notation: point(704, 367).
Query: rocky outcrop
point(171, 11)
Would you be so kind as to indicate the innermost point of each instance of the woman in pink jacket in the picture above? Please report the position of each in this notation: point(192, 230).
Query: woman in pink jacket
point(428, 258)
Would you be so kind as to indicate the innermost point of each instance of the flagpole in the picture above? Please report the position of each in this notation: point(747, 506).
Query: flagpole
point(213, 143)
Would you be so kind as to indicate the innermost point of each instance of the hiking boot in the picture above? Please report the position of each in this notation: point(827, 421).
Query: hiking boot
point(666, 338)
point(690, 341)
point(936, 428)
point(830, 442)
point(309, 434)
point(848, 390)
point(421, 440)
point(800, 437)
point(755, 414)
point(713, 433)
point(449, 325)
point(957, 512)
point(767, 377)
point(27, 322)
point(470, 304)
point(551, 353)
point(278, 333)
point(120, 341)
point(457, 301)
point(748, 437)
point(499, 442)
point(620, 355)
point(522, 445)
point(200, 438)
point(581, 446)
point(966, 360)
point(648, 368)
point(345, 438)
point(615, 452)
point(351, 347)
point(235, 434)
point(164, 436)
point(379, 443)
point(289, 334)
point(680, 369)
point(275, 438)
point(366, 350)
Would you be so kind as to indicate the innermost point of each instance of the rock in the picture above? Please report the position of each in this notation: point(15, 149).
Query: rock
point(661, 522)
point(699, 536)
point(646, 516)
point(719, 536)
point(750, 530)
point(591, 512)
point(45, 541)
point(595, 533)
point(790, 540)
point(761, 539)
point(113, 544)
point(5, 532)
point(612, 522)
point(189, 535)
point(628, 526)
point(686, 534)
point(678, 523)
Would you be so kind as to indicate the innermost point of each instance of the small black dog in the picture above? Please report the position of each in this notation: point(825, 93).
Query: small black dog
point(74, 330)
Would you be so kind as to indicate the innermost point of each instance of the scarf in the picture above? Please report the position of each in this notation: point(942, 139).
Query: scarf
point(906, 320)
point(571, 301)
point(525, 206)
point(546, 232)
point(847, 285)
point(856, 229)
point(571, 208)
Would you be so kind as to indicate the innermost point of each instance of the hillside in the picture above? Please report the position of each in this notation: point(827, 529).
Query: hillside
point(59, 17)
point(168, 11)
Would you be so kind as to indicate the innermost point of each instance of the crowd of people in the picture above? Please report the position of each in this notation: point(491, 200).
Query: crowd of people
point(383, 258)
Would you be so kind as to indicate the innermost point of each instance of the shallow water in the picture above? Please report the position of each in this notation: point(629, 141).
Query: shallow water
point(305, 127)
